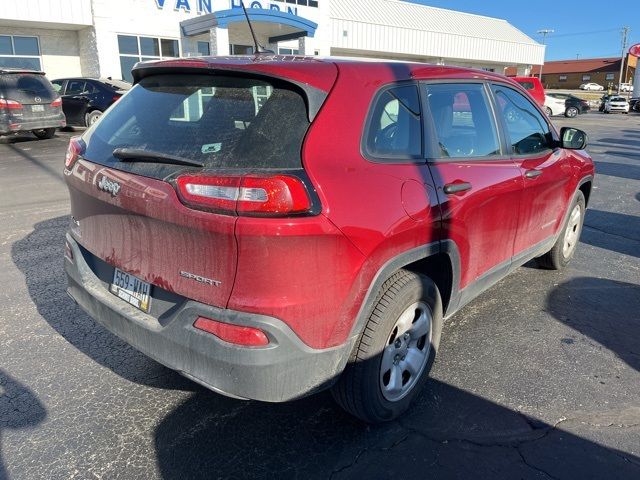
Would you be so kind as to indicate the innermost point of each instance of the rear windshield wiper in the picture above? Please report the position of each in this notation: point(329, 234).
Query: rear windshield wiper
point(147, 156)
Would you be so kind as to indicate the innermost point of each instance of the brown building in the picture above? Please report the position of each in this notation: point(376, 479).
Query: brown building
point(570, 74)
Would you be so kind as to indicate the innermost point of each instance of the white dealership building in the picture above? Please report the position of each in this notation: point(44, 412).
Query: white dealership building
point(105, 38)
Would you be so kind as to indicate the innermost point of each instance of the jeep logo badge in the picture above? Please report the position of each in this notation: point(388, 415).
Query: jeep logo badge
point(109, 186)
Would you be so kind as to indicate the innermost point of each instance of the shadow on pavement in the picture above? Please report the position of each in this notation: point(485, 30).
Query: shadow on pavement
point(52, 172)
point(19, 409)
point(621, 141)
point(631, 172)
point(629, 154)
point(604, 310)
point(39, 256)
point(448, 433)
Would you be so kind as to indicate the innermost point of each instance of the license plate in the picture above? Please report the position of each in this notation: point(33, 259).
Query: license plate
point(132, 290)
point(37, 108)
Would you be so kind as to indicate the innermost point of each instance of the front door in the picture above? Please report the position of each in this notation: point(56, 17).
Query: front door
point(479, 186)
point(543, 166)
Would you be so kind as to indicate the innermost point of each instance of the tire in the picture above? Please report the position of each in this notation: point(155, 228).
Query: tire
point(92, 117)
point(565, 247)
point(571, 112)
point(548, 111)
point(406, 322)
point(45, 133)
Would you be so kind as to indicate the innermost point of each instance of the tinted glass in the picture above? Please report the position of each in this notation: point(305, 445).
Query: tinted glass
point(203, 48)
point(527, 129)
point(170, 48)
point(463, 123)
point(117, 84)
point(26, 46)
point(21, 62)
point(126, 65)
point(5, 45)
point(210, 119)
point(527, 85)
point(149, 46)
point(128, 45)
point(25, 87)
point(75, 87)
point(395, 128)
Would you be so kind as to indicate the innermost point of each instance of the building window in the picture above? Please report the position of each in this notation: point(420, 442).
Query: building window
point(307, 3)
point(134, 49)
point(562, 78)
point(288, 51)
point(241, 50)
point(204, 49)
point(586, 78)
point(20, 52)
point(610, 76)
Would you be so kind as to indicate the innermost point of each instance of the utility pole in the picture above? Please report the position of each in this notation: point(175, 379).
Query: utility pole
point(544, 34)
point(625, 32)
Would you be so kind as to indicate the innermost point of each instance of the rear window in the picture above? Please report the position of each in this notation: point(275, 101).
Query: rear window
point(221, 121)
point(117, 84)
point(24, 87)
point(527, 85)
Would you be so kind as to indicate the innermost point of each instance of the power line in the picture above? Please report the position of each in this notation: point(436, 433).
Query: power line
point(576, 34)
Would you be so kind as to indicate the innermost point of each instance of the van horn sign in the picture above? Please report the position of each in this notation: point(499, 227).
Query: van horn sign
point(204, 6)
point(635, 50)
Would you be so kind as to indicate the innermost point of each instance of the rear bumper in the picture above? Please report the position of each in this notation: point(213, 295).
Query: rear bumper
point(285, 370)
point(15, 125)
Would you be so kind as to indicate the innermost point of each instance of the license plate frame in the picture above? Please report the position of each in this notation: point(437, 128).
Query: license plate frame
point(131, 289)
point(37, 108)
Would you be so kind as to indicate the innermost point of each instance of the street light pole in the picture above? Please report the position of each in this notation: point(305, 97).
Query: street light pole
point(544, 34)
point(625, 31)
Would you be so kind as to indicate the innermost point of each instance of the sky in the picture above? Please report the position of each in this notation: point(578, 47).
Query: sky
point(582, 28)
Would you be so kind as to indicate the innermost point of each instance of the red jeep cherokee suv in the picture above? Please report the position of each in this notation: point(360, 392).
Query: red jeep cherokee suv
point(273, 226)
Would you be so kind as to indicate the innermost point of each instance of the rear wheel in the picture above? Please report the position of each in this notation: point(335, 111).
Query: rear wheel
point(565, 247)
point(548, 111)
point(394, 354)
point(92, 117)
point(571, 112)
point(45, 133)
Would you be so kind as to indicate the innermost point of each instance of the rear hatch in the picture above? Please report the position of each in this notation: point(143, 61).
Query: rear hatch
point(127, 206)
point(34, 92)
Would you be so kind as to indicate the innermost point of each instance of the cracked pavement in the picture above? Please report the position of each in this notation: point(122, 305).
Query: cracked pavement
point(538, 378)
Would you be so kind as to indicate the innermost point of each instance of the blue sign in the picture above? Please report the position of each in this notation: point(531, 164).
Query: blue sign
point(202, 6)
point(264, 6)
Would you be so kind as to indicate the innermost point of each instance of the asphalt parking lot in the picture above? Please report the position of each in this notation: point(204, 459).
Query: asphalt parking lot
point(537, 378)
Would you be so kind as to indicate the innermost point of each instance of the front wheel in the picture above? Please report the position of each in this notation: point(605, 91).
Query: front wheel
point(571, 112)
point(45, 133)
point(565, 247)
point(395, 352)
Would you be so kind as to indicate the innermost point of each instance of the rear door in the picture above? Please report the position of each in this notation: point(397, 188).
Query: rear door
point(75, 101)
point(543, 166)
point(479, 187)
point(34, 92)
point(128, 213)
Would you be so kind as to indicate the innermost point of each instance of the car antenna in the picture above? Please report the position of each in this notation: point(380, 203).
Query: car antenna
point(259, 48)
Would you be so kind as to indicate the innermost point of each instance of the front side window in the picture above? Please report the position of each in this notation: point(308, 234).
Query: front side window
point(20, 52)
point(463, 124)
point(395, 126)
point(134, 49)
point(528, 131)
point(75, 87)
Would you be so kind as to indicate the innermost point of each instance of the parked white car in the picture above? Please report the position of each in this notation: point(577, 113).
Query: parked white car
point(616, 104)
point(591, 86)
point(554, 106)
point(626, 87)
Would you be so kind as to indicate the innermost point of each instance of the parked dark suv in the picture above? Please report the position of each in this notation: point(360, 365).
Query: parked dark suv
point(28, 102)
point(85, 99)
point(274, 226)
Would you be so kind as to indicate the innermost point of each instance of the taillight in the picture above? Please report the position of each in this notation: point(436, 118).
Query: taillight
point(251, 195)
point(73, 152)
point(116, 98)
point(10, 104)
point(57, 102)
point(239, 335)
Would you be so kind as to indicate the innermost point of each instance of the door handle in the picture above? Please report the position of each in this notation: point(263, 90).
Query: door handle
point(531, 174)
point(456, 187)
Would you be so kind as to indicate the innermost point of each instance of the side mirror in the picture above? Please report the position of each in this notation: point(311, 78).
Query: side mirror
point(573, 139)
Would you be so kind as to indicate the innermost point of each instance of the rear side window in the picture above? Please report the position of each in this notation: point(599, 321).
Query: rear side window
point(24, 87)
point(462, 121)
point(220, 121)
point(394, 130)
point(527, 129)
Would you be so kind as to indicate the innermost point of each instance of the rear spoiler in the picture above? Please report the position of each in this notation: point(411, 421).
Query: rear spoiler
point(314, 97)
point(15, 70)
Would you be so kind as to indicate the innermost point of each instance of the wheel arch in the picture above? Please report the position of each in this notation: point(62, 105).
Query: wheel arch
point(585, 186)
